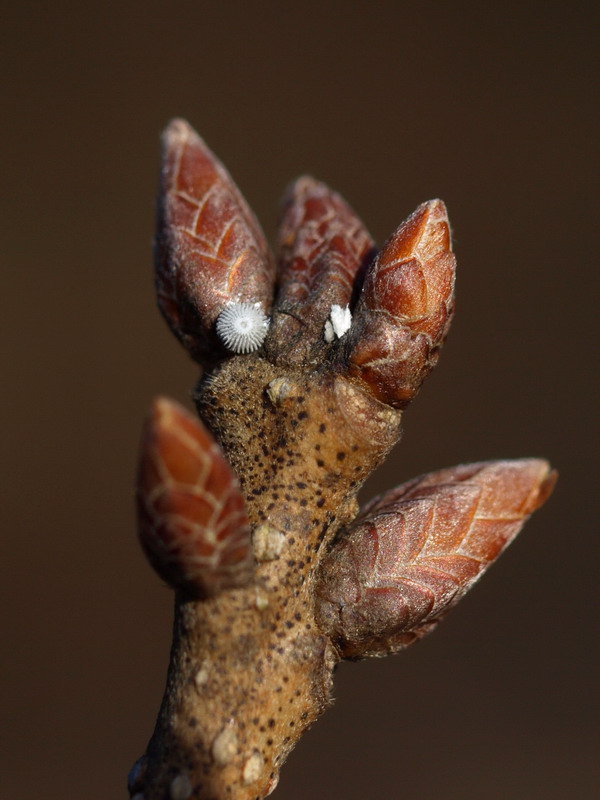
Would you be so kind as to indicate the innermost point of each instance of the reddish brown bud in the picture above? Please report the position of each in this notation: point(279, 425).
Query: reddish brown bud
point(405, 307)
point(192, 517)
point(323, 246)
point(414, 552)
point(210, 250)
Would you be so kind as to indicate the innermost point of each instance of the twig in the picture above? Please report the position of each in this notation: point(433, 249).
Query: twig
point(251, 514)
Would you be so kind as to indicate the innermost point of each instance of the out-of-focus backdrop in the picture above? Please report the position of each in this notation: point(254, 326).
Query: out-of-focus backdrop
point(491, 106)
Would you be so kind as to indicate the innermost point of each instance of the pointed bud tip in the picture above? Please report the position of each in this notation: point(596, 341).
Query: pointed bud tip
point(300, 190)
point(172, 430)
point(180, 134)
point(424, 234)
point(522, 484)
point(161, 405)
point(429, 211)
point(164, 409)
point(178, 128)
point(435, 208)
point(544, 479)
point(304, 184)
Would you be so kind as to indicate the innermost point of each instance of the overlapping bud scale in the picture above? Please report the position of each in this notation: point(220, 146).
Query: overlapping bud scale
point(405, 307)
point(415, 551)
point(210, 250)
point(192, 518)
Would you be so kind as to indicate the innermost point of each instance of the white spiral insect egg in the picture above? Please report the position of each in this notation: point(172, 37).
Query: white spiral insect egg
point(242, 327)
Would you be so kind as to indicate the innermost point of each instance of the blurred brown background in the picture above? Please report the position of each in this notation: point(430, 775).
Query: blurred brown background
point(491, 107)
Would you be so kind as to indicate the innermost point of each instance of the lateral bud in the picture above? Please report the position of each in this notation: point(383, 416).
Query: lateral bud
point(192, 518)
point(405, 308)
point(414, 552)
point(210, 250)
point(324, 245)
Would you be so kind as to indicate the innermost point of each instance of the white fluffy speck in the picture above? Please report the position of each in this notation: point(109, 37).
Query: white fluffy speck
point(203, 674)
point(242, 327)
point(225, 747)
point(181, 787)
point(267, 542)
point(253, 768)
point(339, 322)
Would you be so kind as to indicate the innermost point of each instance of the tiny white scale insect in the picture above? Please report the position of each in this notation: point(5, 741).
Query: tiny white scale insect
point(339, 322)
point(242, 327)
